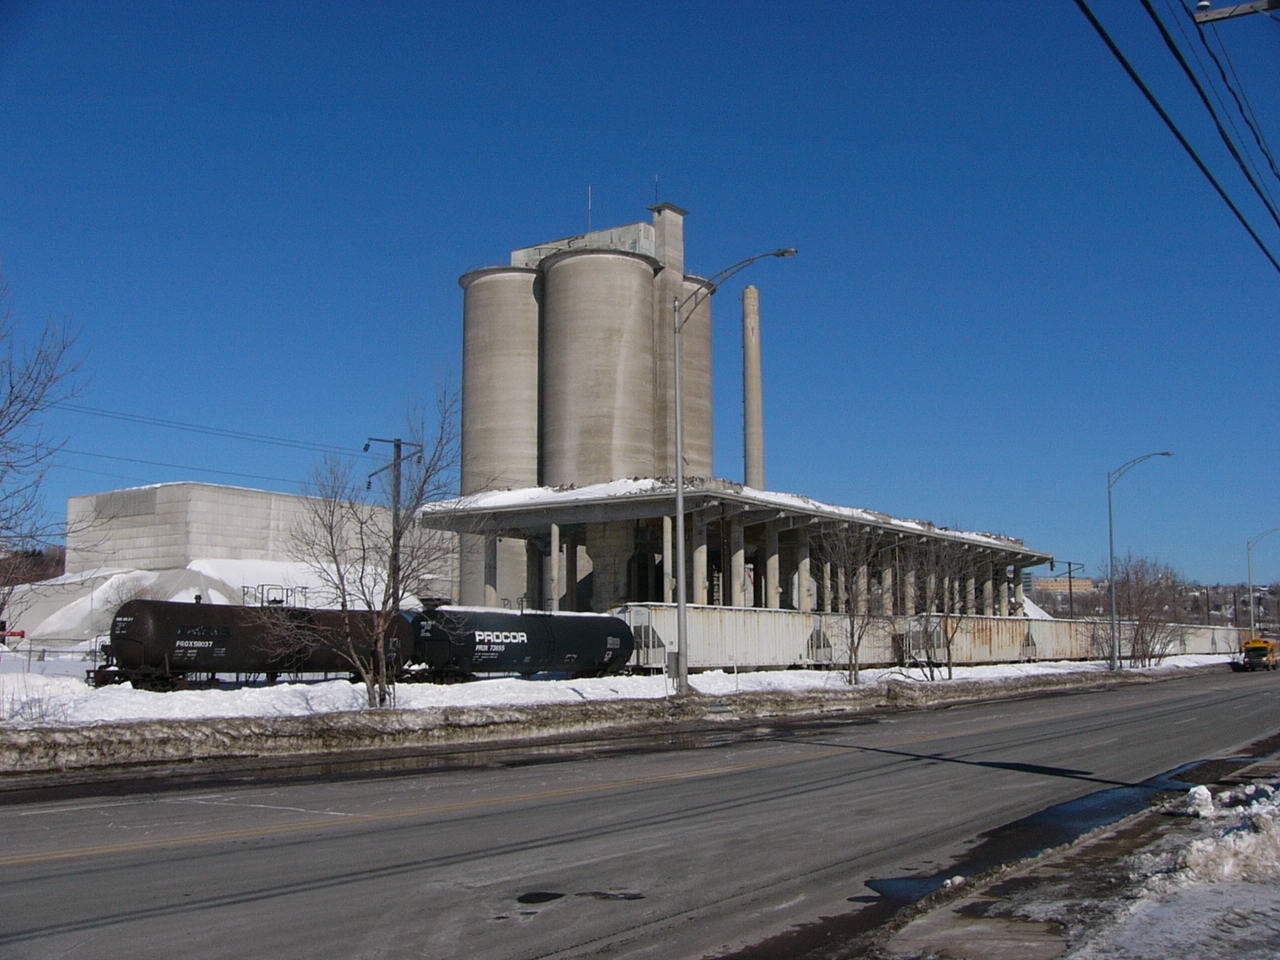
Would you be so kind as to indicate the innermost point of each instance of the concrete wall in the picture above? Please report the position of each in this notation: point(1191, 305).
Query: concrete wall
point(169, 525)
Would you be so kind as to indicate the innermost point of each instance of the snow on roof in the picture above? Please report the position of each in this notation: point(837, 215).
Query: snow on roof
point(184, 483)
point(1033, 611)
point(656, 487)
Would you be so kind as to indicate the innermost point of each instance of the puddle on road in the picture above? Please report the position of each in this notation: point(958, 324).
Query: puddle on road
point(1019, 840)
point(538, 896)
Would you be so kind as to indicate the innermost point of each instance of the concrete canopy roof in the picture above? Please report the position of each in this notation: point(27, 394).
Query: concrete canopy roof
point(533, 509)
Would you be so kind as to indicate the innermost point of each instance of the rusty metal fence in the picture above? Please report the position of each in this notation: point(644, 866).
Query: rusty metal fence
point(748, 638)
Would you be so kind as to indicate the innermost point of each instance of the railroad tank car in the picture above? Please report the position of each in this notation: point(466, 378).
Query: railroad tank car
point(165, 645)
point(463, 641)
point(159, 644)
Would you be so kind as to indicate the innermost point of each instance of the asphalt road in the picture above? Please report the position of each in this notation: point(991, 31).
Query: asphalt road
point(668, 854)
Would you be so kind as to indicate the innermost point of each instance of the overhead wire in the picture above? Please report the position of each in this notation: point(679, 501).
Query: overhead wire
point(1213, 113)
point(1245, 107)
point(1173, 128)
point(179, 466)
point(207, 430)
point(1185, 20)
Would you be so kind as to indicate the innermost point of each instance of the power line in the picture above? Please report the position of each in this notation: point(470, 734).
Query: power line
point(1173, 128)
point(1204, 98)
point(179, 466)
point(1185, 22)
point(1245, 108)
point(208, 431)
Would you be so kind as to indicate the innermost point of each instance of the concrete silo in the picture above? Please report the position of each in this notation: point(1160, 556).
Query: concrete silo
point(697, 379)
point(499, 410)
point(597, 366)
point(500, 379)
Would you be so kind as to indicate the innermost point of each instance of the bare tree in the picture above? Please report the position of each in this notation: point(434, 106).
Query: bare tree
point(942, 566)
point(1148, 599)
point(853, 552)
point(361, 538)
point(35, 372)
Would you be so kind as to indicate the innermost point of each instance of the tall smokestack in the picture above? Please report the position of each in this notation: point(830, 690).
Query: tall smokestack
point(752, 392)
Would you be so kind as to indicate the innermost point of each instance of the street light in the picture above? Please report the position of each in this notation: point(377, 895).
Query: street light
point(681, 311)
point(1253, 626)
point(1112, 477)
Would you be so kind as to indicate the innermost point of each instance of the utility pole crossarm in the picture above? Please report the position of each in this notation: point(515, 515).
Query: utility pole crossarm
point(1235, 10)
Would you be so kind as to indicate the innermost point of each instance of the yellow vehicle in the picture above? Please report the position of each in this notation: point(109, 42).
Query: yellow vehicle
point(1258, 653)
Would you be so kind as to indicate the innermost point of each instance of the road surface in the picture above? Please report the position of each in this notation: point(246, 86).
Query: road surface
point(666, 854)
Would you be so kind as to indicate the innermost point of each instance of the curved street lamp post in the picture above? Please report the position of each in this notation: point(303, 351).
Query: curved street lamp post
point(1249, 544)
point(1112, 477)
point(681, 311)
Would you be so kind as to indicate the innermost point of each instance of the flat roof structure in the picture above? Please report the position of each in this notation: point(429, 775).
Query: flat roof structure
point(738, 535)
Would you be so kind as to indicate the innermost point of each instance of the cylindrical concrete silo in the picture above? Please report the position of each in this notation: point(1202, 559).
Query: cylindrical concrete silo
point(597, 366)
point(697, 379)
point(500, 379)
point(499, 412)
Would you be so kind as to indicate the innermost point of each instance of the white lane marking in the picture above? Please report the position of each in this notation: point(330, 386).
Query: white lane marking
point(47, 812)
point(260, 806)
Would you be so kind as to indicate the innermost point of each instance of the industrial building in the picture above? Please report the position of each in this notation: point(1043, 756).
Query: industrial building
point(568, 449)
point(568, 502)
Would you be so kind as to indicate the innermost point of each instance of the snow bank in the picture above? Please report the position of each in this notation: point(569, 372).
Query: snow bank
point(1245, 845)
point(1212, 898)
point(54, 691)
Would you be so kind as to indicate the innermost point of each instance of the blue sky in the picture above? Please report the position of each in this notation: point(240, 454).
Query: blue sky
point(1011, 279)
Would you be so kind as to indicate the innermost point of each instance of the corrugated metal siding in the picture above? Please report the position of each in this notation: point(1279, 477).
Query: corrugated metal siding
point(743, 637)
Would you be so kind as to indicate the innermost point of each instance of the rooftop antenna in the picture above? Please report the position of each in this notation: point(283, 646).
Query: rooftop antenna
point(655, 189)
point(588, 208)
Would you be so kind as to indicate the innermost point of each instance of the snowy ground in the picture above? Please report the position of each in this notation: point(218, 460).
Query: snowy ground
point(1214, 898)
point(53, 691)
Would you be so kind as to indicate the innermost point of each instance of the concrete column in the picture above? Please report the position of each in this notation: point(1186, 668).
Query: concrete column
point(532, 574)
point(842, 589)
point(1018, 600)
point(554, 559)
point(988, 591)
point(737, 592)
point(571, 574)
point(863, 599)
point(491, 570)
point(1002, 590)
point(609, 546)
point(471, 554)
point(886, 591)
point(668, 563)
point(826, 605)
point(931, 591)
point(970, 593)
point(909, 589)
point(772, 568)
point(698, 530)
point(804, 573)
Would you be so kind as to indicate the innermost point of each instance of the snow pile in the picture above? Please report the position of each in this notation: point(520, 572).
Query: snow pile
point(54, 690)
point(1246, 848)
point(1199, 802)
point(1212, 898)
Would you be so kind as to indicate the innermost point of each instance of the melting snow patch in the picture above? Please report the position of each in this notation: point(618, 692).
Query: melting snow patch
point(1213, 898)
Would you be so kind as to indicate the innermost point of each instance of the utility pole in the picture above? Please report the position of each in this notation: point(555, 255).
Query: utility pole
point(397, 458)
point(1205, 13)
